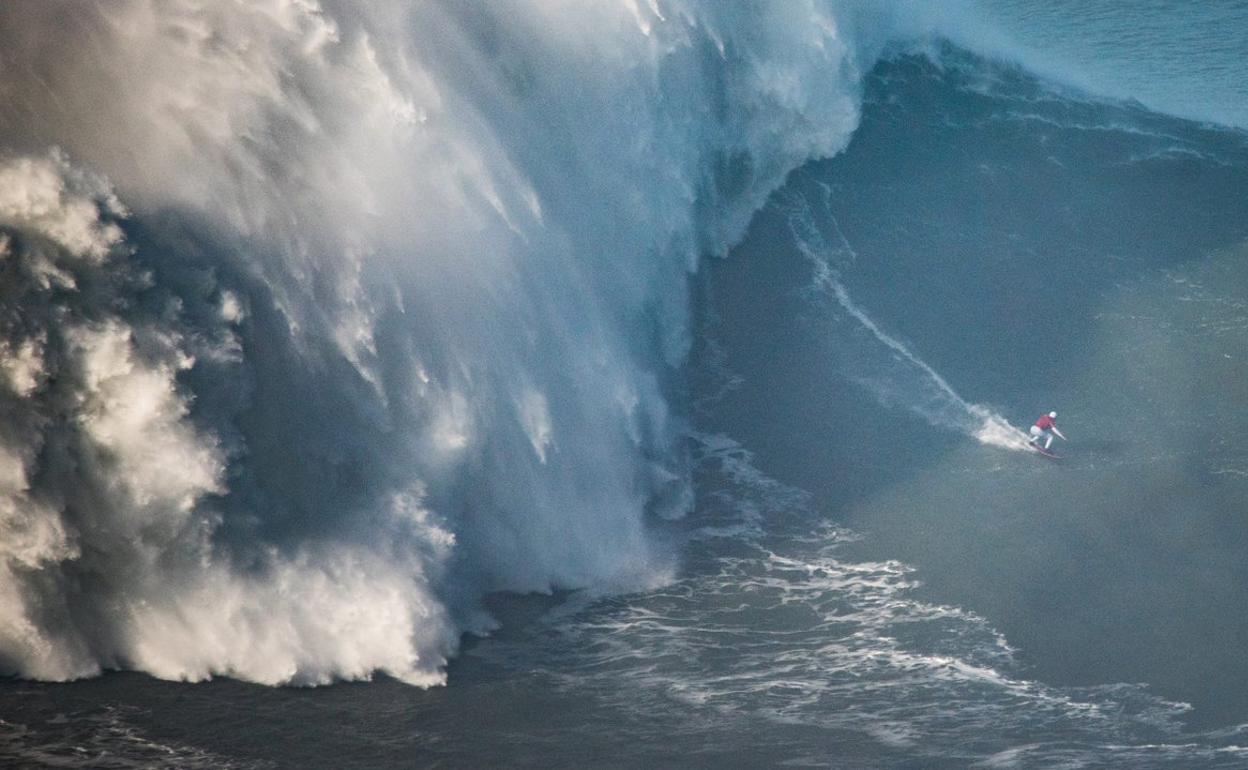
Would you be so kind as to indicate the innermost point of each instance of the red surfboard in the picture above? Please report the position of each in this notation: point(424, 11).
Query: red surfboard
point(1045, 452)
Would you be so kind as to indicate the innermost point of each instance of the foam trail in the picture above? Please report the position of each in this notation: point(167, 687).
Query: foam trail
point(894, 373)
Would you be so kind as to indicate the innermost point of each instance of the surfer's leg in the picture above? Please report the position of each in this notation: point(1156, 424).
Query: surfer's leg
point(1048, 440)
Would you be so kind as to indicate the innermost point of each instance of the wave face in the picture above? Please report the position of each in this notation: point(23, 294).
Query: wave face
point(883, 364)
point(1033, 249)
point(321, 320)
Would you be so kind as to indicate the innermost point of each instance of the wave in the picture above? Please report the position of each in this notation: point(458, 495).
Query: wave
point(322, 320)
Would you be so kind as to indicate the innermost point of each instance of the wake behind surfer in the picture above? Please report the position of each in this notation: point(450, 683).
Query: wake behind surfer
point(1046, 428)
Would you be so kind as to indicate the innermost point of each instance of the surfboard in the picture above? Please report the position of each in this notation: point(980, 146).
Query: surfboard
point(1046, 452)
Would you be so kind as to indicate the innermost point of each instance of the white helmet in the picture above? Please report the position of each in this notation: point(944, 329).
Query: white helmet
point(1052, 415)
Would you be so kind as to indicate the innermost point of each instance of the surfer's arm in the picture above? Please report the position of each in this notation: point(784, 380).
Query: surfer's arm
point(1059, 433)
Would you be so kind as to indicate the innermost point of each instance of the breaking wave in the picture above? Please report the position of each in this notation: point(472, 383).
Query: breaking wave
point(320, 320)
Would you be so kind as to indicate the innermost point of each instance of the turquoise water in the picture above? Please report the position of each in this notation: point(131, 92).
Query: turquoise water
point(1187, 59)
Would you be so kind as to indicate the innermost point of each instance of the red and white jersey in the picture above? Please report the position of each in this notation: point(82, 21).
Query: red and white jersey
point(1045, 422)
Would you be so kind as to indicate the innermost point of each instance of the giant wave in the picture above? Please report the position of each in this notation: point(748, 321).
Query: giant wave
point(321, 320)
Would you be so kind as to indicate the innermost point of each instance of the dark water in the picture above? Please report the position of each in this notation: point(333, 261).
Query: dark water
point(1040, 253)
point(860, 587)
point(1047, 254)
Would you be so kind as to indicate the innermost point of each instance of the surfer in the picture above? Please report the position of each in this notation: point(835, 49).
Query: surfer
point(1045, 427)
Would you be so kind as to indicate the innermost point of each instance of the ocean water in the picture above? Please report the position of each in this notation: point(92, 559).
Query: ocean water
point(623, 386)
point(1159, 53)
